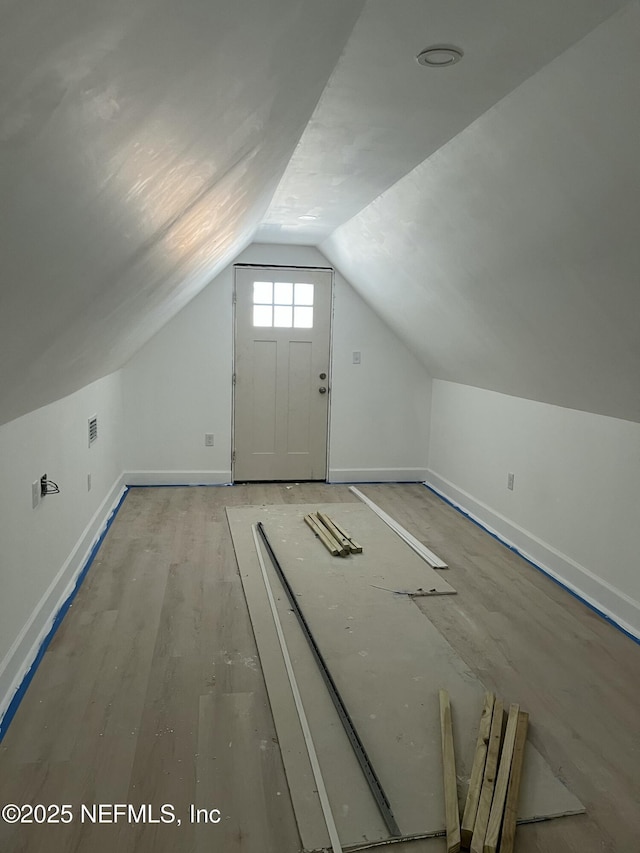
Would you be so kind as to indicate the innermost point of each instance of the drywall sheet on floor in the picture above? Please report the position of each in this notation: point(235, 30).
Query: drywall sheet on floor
point(388, 662)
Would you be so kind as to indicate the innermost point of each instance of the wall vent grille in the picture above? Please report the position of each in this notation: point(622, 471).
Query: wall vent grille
point(93, 429)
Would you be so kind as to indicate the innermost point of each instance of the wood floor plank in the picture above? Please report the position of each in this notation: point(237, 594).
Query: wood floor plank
point(68, 686)
point(240, 774)
point(120, 663)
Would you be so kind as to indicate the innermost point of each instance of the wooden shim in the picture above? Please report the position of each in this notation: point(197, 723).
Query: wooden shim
point(336, 847)
point(502, 780)
point(328, 543)
point(513, 791)
point(477, 772)
point(489, 779)
point(342, 551)
point(428, 556)
point(452, 814)
point(353, 545)
point(343, 537)
point(333, 530)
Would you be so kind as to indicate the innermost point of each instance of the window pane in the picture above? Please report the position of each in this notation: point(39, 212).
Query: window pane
point(282, 316)
point(283, 293)
point(262, 315)
point(303, 317)
point(304, 294)
point(262, 293)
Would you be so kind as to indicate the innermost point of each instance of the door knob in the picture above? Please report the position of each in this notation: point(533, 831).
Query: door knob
point(322, 389)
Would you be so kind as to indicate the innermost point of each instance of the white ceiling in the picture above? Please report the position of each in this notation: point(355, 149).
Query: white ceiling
point(141, 146)
point(382, 113)
point(510, 259)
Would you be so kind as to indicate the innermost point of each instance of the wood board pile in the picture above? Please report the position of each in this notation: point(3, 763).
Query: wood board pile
point(388, 661)
point(337, 541)
point(490, 812)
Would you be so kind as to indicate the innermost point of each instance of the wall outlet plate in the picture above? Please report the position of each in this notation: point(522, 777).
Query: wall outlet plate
point(43, 485)
point(357, 357)
point(208, 439)
point(35, 493)
point(510, 479)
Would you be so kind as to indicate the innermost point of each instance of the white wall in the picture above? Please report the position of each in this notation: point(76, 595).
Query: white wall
point(44, 548)
point(178, 387)
point(575, 505)
point(380, 409)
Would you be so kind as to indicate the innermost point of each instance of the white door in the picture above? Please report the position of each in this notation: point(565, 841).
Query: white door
point(282, 346)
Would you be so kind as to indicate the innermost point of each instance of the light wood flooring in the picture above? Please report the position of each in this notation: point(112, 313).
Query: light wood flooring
point(151, 691)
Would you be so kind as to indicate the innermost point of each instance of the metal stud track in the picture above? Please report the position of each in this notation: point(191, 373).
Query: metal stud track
point(354, 739)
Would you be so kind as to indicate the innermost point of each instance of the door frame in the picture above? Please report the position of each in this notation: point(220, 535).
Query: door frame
point(233, 353)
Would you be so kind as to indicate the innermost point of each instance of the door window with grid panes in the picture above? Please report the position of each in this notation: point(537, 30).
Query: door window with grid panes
point(283, 304)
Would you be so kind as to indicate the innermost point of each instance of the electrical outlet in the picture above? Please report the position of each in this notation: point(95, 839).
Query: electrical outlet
point(35, 493)
point(357, 357)
point(510, 481)
point(208, 439)
point(88, 482)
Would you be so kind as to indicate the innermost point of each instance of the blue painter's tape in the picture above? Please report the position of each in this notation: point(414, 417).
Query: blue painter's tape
point(179, 485)
point(26, 681)
point(374, 482)
point(528, 560)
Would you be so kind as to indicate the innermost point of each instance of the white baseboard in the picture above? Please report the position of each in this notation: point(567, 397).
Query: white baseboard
point(377, 475)
point(177, 478)
point(609, 601)
point(24, 651)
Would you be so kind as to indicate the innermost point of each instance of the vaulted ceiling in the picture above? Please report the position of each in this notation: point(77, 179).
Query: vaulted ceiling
point(487, 211)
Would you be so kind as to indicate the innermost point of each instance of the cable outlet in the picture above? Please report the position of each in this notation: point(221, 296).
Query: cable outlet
point(208, 439)
point(35, 493)
point(510, 481)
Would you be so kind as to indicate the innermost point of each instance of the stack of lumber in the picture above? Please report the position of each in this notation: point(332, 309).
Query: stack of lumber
point(489, 818)
point(335, 539)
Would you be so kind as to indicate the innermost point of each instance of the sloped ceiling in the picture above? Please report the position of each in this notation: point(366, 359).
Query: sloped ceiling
point(141, 145)
point(510, 259)
point(382, 113)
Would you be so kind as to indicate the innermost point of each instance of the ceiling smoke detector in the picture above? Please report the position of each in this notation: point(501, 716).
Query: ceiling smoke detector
point(440, 56)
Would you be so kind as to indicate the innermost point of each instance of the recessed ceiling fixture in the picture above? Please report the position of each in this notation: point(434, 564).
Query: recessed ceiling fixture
point(440, 56)
point(308, 217)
